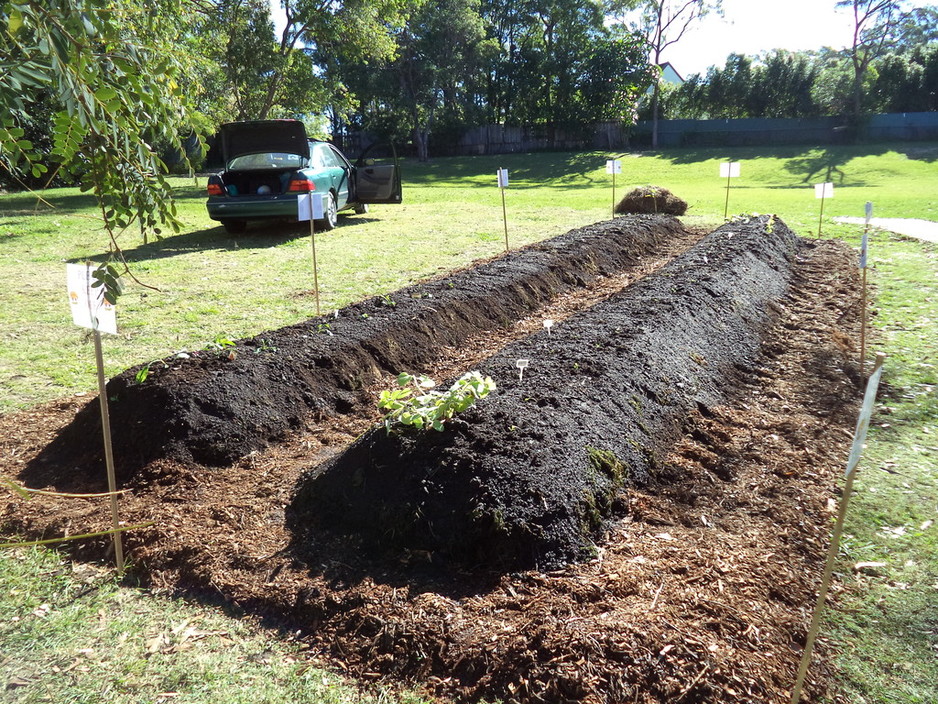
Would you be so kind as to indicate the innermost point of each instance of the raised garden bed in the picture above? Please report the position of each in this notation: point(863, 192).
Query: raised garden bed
point(218, 405)
point(529, 477)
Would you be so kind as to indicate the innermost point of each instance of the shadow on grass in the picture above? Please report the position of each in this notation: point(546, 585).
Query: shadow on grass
point(927, 153)
point(257, 236)
point(49, 203)
point(535, 166)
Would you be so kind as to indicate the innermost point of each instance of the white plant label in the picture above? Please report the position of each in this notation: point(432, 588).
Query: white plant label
point(522, 364)
point(548, 324)
point(89, 309)
point(309, 206)
point(869, 212)
point(863, 249)
point(729, 169)
point(503, 178)
point(613, 166)
point(824, 190)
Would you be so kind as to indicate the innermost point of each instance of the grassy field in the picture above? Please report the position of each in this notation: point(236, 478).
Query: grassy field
point(212, 284)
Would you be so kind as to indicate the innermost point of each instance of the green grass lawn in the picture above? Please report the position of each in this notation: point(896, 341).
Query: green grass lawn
point(212, 284)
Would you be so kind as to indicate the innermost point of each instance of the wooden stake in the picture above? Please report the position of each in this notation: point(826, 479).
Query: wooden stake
point(821, 219)
point(312, 239)
point(863, 300)
point(729, 176)
point(858, 438)
point(613, 190)
point(108, 452)
point(505, 218)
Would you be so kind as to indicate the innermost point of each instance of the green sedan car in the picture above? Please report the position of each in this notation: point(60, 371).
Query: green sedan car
point(268, 163)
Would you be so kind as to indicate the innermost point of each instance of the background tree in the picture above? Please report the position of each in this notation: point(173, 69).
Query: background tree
point(876, 26)
point(112, 83)
point(664, 23)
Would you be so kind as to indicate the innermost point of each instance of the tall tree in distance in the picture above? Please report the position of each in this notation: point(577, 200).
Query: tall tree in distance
point(876, 25)
point(664, 23)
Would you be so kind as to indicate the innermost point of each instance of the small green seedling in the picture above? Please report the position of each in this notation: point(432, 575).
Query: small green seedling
point(265, 346)
point(416, 405)
point(219, 343)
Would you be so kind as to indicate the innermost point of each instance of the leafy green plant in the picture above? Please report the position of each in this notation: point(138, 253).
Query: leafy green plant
point(142, 374)
point(219, 343)
point(265, 346)
point(416, 405)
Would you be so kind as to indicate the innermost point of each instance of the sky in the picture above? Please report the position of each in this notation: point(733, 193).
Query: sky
point(752, 26)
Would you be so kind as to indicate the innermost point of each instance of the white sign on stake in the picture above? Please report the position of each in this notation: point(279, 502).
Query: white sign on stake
point(869, 212)
point(613, 166)
point(729, 169)
point(522, 364)
point(863, 248)
point(309, 207)
point(824, 190)
point(89, 309)
point(503, 178)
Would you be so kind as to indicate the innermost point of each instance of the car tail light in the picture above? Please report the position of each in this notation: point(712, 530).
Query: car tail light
point(301, 185)
point(215, 189)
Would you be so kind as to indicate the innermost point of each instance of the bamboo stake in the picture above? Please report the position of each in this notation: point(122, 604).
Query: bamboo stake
point(729, 176)
point(504, 208)
point(108, 451)
point(312, 239)
point(859, 436)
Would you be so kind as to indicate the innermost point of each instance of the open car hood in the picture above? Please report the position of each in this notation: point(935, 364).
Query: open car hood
point(255, 136)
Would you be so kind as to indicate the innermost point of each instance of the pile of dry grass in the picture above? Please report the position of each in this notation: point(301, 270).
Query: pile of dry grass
point(651, 199)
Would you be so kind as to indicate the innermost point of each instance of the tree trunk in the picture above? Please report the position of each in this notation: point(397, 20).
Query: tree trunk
point(654, 116)
point(421, 139)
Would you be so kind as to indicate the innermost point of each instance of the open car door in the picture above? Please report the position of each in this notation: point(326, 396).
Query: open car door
point(378, 183)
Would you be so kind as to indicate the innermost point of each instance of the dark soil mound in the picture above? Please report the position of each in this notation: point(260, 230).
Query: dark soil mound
point(528, 477)
point(651, 199)
point(215, 407)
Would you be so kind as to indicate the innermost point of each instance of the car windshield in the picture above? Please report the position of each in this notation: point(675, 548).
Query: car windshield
point(266, 160)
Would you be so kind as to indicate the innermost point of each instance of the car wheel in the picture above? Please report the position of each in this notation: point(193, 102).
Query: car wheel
point(361, 208)
point(235, 226)
point(331, 213)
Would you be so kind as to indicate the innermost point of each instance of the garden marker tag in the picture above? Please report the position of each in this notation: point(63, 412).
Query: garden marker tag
point(824, 190)
point(89, 309)
point(302, 207)
point(863, 248)
point(309, 206)
point(869, 212)
point(729, 169)
point(522, 364)
point(548, 324)
point(502, 178)
point(315, 200)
